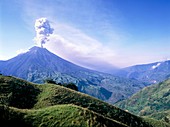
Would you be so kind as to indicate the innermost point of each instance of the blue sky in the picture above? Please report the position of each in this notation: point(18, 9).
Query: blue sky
point(91, 33)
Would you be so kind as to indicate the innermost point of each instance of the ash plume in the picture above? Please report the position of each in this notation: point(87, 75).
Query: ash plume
point(43, 31)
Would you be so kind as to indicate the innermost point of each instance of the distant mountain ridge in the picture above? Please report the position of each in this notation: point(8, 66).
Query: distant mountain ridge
point(39, 64)
point(149, 73)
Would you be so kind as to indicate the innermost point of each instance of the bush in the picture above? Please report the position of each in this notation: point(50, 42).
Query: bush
point(69, 85)
point(72, 86)
point(50, 81)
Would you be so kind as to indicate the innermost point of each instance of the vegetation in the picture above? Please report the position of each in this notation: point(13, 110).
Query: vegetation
point(53, 105)
point(17, 93)
point(50, 81)
point(152, 101)
point(59, 115)
point(67, 85)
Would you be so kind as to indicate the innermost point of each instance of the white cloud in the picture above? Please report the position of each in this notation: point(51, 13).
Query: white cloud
point(69, 42)
point(121, 47)
point(74, 45)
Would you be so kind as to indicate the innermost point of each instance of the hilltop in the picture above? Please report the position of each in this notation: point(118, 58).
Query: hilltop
point(31, 105)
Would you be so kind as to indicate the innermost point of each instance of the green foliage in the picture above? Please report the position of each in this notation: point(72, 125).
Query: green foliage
point(53, 105)
point(12, 118)
point(52, 95)
point(163, 115)
point(50, 81)
point(156, 123)
point(74, 115)
point(152, 101)
point(68, 85)
point(16, 92)
point(56, 116)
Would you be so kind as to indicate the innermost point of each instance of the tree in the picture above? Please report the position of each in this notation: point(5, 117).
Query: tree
point(72, 86)
point(50, 81)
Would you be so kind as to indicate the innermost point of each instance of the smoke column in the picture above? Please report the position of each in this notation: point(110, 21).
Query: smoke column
point(43, 31)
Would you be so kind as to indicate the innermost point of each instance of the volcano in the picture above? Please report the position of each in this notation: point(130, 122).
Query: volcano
point(39, 64)
point(38, 60)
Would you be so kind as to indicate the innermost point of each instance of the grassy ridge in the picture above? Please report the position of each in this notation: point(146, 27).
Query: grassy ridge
point(16, 92)
point(52, 95)
point(59, 115)
point(56, 103)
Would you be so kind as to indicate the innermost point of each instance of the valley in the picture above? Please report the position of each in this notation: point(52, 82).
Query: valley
point(31, 105)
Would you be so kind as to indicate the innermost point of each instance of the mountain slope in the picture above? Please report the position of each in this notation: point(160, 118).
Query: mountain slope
point(54, 105)
point(148, 73)
point(39, 59)
point(39, 64)
point(59, 115)
point(153, 101)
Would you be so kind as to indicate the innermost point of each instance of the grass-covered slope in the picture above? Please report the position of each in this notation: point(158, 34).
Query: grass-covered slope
point(30, 105)
point(15, 92)
point(152, 101)
point(54, 116)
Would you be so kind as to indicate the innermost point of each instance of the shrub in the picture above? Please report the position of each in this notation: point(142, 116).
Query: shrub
point(50, 81)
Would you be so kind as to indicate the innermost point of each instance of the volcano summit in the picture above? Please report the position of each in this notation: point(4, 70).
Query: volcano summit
point(38, 64)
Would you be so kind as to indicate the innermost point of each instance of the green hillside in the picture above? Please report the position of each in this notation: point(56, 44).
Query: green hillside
point(54, 116)
point(31, 105)
point(152, 101)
